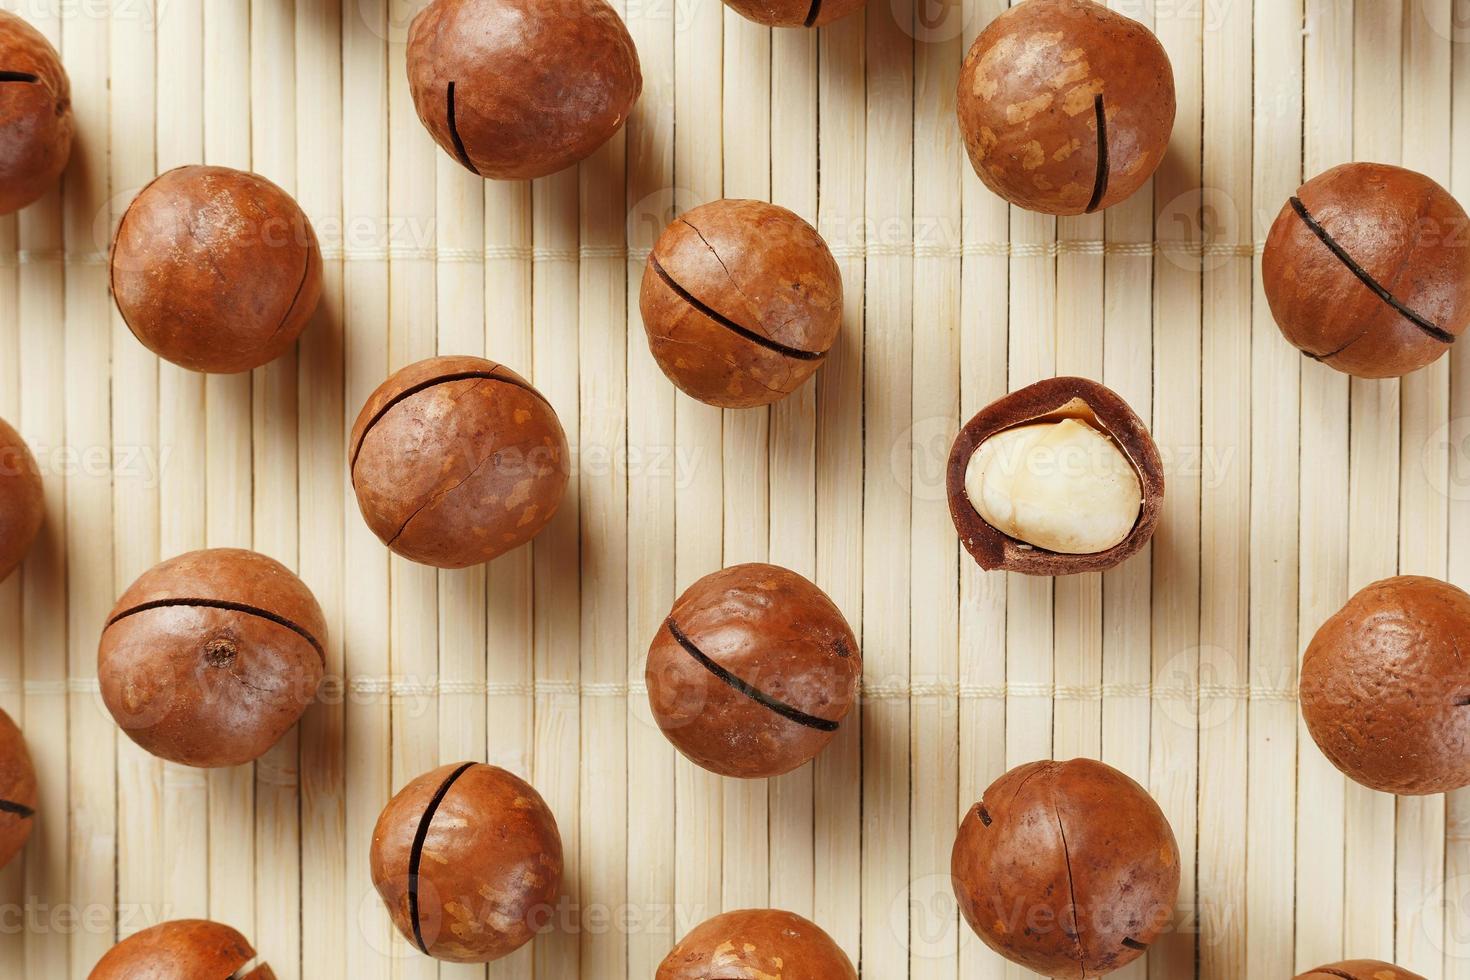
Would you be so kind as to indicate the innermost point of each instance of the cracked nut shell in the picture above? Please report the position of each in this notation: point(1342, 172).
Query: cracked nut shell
point(1384, 691)
point(22, 500)
point(741, 301)
point(215, 269)
point(515, 89)
point(36, 121)
point(17, 790)
point(468, 859)
point(1066, 107)
point(210, 657)
point(1049, 401)
point(184, 949)
point(795, 13)
point(1359, 970)
point(1367, 269)
point(756, 944)
point(457, 460)
point(1068, 868)
point(752, 672)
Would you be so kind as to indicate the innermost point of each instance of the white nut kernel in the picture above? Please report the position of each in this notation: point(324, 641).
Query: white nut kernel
point(1063, 486)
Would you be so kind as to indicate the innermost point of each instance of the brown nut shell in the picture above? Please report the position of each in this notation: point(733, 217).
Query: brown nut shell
point(457, 460)
point(1367, 269)
point(795, 13)
point(210, 657)
point(1053, 400)
point(757, 944)
point(515, 89)
point(741, 302)
point(753, 671)
point(1359, 970)
point(215, 269)
point(22, 500)
point(1066, 107)
point(1068, 868)
point(1384, 690)
point(17, 790)
point(183, 949)
point(36, 121)
point(468, 859)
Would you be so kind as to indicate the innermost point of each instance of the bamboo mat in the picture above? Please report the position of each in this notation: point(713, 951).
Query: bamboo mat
point(1290, 486)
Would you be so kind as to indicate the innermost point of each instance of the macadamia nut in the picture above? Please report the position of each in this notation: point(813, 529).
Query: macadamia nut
point(36, 119)
point(1062, 486)
point(1359, 970)
point(795, 13)
point(22, 499)
point(759, 944)
point(184, 949)
point(18, 791)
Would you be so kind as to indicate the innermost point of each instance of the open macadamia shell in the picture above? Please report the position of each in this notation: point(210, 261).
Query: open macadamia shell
point(457, 460)
point(757, 944)
point(1047, 401)
point(468, 859)
point(183, 949)
point(36, 120)
point(1066, 107)
point(742, 301)
point(1068, 868)
point(210, 657)
point(22, 500)
point(795, 13)
point(753, 671)
point(1384, 689)
point(515, 89)
point(215, 269)
point(1367, 269)
point(1359, 970)
point(17, 790)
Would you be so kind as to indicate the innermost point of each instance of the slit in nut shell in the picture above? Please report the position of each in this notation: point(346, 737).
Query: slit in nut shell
point(1054, 479)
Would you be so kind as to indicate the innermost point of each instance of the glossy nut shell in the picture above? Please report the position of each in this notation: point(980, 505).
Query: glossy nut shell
point(1053, 400)
point(757, 944)
point(741, 301)
point(210, 657)
point(1367, 269)
point(17, 791)
point(457, 460)
point(795, 13)
point(1359, 970)
point(1067, 868)
point(753, 671)
point(36, 120)
point(22, 500)
point(1066, 106)
point(184, 949)
point(215, 269)
point(515, 89)
point(1384, 690)
point(468, 860)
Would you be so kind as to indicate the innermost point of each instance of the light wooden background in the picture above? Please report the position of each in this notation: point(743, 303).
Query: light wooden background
point(1289, 486)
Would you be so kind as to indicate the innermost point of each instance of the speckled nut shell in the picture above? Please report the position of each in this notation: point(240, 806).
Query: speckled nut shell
point(757, 944)
point(184, 949)
point(210, 657)
point(35, 114)
point(1384, 690)
point(1367, 269)
point(457, 460)
point(1066, 107)
point(469, 861)
point(515, 89)
point(795, 13)
point(1047, 401)
point(215, 269)
point(1359, 970)
point(1067, 868)
point(22, 500)
point(753, 671)
point(741, 301)
point(17, 790)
